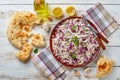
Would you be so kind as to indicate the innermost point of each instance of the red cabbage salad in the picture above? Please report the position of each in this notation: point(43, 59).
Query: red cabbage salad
point(74, 43)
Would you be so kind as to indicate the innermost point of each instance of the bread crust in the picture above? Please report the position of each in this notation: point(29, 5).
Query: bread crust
point(104, 66)
point(19, 28)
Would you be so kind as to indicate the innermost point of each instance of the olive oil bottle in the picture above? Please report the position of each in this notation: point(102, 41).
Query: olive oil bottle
point(41, 8)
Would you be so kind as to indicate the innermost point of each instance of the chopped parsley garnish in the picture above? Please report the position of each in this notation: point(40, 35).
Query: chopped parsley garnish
point(75, 40)
point(36, 50)
point(66, 39)
point(86, 30)
point(73, 56)
point(73, 27)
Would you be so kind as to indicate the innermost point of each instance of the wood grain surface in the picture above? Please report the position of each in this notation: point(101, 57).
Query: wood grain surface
point(12, 69)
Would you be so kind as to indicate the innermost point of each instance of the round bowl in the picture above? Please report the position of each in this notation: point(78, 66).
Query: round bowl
point(52, 50)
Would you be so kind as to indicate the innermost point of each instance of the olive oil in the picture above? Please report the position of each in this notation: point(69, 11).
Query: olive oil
point(41, 8)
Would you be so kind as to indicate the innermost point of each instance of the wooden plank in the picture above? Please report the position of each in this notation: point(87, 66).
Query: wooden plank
point(111, 53)
point(113, 39)
point(31, 73)
point(7, 57)
point(12, 69)
point(87, 2)
point(6, 11)
point(9, 63)
point(113, 75)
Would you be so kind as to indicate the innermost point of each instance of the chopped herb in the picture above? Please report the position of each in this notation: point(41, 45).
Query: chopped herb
point(75, 40)
point(36, 50)
point(73, 56)
point(66, 39)
point(86, 30)
point(73, 27)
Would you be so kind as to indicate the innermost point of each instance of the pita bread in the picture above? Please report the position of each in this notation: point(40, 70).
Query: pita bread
point(19, 28)
point(38, 40)
point(24, 54)
point(104, 66)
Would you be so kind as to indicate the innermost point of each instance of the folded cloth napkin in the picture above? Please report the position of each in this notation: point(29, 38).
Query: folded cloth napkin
point(52, 69)
point(100, 17)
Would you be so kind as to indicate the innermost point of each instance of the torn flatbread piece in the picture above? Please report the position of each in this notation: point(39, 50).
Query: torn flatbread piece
point(24, 54)
point(104, 66)
point(19, 28)
point(38, 40)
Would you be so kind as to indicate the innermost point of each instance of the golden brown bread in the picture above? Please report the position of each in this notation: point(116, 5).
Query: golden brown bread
point(104, 66)
point(19, 28)
point(38, 40)
point(24, 54)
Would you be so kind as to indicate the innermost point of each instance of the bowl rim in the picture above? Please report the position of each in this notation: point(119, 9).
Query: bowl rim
point(51, 49)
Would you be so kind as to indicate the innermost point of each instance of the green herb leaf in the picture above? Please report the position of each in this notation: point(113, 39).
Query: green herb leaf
point(73, 56)
point(86, 30)
point(36, 50)
point(73, 27)
point(75, 40)
point(66, 39)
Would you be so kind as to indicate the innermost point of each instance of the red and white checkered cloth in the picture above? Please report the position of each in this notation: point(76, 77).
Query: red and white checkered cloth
point(49, 66)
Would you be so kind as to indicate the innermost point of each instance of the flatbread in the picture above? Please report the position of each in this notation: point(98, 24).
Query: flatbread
point(38, 40)
point(104, 66)
point(24, 54)
point(19, 28)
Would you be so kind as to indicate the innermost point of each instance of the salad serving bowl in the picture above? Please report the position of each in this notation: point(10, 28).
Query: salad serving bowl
point(72, 43)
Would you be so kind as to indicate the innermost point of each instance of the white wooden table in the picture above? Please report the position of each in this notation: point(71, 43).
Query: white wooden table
point(12, 69)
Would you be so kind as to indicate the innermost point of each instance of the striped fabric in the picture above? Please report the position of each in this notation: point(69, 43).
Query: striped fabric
point(52, 69)
point(49, 66)
point(100, 17)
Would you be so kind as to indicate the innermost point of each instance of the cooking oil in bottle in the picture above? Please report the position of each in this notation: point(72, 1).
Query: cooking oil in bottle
point(41, 8)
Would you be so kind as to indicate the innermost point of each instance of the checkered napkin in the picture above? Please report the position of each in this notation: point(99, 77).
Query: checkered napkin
point(100, 17)
point(52, 69)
